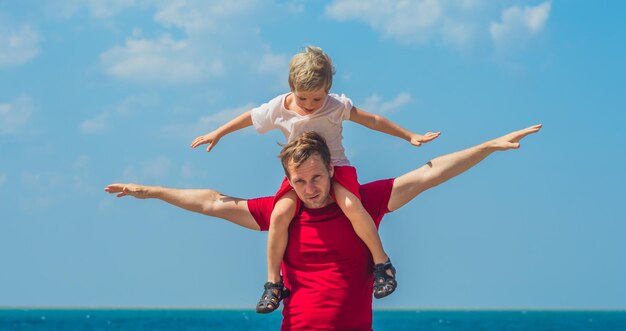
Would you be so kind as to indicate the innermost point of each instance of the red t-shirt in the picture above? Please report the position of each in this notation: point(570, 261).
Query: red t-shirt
point(326, 266)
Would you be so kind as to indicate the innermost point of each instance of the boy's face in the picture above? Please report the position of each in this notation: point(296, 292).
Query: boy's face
point(310, 101)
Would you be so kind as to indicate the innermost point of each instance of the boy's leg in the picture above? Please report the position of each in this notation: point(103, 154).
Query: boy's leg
point(274, 291)
point(361, 222)
point(384, 272)
point(283, 212)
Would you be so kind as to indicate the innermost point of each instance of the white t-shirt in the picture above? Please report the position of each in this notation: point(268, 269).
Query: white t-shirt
point(326, 121)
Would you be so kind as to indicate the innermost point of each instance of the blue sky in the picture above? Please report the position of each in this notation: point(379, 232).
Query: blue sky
point(101, 91)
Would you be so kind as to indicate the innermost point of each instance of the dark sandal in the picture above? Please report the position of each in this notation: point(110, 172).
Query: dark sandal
point(273, 294)
point(383, 283)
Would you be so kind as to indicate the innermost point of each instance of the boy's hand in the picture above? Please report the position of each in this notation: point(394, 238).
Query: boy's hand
point(418, 139)
point(210, 138)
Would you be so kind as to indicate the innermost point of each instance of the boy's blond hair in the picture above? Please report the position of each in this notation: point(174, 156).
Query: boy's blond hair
point(311, 70)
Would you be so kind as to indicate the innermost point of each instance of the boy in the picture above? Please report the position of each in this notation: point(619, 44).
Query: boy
point(310, 107)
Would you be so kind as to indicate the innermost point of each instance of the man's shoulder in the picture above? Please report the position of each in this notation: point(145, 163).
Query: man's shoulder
point(261, 209)
point(377, 186)
point(375, 196)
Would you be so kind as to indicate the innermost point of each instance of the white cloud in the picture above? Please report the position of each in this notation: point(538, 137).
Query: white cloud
point(81, 175)
point(106, 8)
point(201, 15)
point(406, 21)
point(157, 168)
point(135, 103)
point(295, 6)
point(457, 33)
point(273, 63)
point(96, 8)
point(454, 23)
point(44, 190)
point(224, 115)
point(518, 23)
point(190, 171)
point(132, 104)
point(15, 115)
point(205, 123)
point(18, 45)
point(98, 124)
point(36, 203)
point(375, 104)
point(162, 60)
point(41, 180)
point(275, 68)
point(187, 171)
point(209, 46)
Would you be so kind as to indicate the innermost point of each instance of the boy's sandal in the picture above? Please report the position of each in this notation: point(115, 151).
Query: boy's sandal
point(273, 294)
point(384, 284)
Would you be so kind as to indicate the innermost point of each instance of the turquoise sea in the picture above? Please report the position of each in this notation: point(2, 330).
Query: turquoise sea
point(210, 319)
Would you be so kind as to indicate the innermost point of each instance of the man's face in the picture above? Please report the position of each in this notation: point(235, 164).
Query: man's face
point(312, 182)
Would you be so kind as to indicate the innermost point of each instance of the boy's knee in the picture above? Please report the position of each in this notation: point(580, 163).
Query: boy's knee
point(349, 205)
point(283, 212)
point(280, 222)
point(353, 207)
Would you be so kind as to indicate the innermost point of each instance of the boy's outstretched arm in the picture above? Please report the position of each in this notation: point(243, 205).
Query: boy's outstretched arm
point(203, 201)
point(242, 121)
point(443, 168)
point(382, 124)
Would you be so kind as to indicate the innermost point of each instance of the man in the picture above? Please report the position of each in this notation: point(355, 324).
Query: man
point(326, 267)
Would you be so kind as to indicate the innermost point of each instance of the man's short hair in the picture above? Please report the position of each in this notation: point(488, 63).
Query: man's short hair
point(300, 149)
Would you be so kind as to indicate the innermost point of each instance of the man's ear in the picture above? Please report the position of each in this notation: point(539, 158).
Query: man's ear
point(331, 171)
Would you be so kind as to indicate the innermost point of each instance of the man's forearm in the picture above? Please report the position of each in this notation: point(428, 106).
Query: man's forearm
point(204, 201)
point(435, 172)
point(196, 200)
point(443, 168)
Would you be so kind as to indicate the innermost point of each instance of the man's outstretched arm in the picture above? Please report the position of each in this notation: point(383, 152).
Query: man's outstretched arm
point(443, 168)
point(203, 201)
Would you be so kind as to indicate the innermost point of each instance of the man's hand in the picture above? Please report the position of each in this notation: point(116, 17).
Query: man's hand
point(511, 140)
point(210, 138)
point(134, 190)
point(418, 139)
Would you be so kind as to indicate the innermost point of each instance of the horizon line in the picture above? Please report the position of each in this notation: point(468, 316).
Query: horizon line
point(156, 307)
